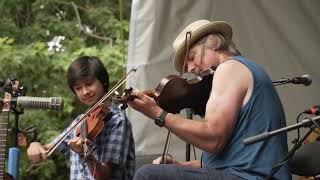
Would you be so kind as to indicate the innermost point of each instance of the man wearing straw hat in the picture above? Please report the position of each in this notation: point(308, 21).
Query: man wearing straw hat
point(243, 102)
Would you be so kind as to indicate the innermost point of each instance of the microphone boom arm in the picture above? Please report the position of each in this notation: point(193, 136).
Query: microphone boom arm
point(305, 123)
point(308, 122)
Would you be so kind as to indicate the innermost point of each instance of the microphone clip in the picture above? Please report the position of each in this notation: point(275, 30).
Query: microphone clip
point(314, 110)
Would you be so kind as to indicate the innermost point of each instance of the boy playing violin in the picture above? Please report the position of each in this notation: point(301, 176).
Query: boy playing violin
point(114, 153)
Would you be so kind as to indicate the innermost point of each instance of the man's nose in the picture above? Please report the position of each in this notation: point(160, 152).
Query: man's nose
point(190, 68)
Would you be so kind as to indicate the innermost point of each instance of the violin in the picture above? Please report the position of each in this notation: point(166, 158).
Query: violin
point(91, 127)
point(175, 93)
point(94, 122)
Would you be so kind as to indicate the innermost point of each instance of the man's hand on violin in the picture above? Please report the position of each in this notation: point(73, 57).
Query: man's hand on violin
point(36, 153)
point(76, 144)
point(145, 104)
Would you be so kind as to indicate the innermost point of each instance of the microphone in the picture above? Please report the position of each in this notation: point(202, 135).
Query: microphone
point(315, 110)
point(52, 103)
point(306, 80)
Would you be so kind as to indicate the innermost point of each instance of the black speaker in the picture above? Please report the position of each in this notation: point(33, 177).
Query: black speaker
point(306, 160)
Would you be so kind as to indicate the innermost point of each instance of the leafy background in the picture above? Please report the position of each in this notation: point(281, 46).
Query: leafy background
point(90, 27)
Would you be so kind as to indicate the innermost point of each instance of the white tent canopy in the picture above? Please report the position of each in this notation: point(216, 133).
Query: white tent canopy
point(282, 36)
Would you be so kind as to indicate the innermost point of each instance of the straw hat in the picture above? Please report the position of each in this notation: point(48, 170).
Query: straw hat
point(198, 29)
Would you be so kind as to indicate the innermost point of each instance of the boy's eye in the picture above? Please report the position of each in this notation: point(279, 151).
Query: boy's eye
point(88, 83)
point(76, 87)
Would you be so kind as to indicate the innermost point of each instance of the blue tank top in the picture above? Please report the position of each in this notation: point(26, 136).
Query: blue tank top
point(263, 112)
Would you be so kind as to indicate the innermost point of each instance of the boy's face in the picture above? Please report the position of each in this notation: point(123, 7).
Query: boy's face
point(89, 90)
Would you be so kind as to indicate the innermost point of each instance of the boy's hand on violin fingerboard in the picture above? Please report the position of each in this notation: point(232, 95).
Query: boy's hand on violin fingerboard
point(76, 144)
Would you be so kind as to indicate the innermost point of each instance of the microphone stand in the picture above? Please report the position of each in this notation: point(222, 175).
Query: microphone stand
point(289, 155)
point(14, 87)
point(14, 152)
point(188, 146)
point(308, 122)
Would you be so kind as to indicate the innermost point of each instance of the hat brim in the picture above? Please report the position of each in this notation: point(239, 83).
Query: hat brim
point(220, 27)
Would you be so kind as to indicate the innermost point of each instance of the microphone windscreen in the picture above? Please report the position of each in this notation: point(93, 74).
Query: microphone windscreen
point(52, 103)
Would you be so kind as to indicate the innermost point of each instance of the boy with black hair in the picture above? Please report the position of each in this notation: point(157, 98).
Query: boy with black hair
point(114, 155)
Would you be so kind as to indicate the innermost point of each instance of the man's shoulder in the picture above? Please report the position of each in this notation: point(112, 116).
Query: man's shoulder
point(231, 68)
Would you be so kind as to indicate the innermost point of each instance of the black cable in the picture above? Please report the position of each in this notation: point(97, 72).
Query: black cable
point(298, 130)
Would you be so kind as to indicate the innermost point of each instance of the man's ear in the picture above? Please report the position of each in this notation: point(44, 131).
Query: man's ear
point(213, 42)
point(216, 44)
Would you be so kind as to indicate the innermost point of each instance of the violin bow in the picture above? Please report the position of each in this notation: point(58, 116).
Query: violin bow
point(168, 139)
point(187, 46)
point(166, 149)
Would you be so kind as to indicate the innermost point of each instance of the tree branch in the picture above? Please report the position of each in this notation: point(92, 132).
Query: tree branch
point(83, 29)
point(70, 4)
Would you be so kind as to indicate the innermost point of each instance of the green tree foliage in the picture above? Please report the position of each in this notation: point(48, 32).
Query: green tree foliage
point(88, 27)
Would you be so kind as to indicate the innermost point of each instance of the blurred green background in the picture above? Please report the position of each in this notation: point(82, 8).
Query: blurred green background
point(28, 31)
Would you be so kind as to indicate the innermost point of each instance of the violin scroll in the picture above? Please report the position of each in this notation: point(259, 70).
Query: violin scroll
point(129, 96)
